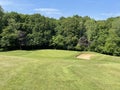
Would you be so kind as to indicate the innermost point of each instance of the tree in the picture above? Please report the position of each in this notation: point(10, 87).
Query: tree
point(1, 15)
point(9, 38)
point(112, 45)
point(69, 30)
point(21, 31)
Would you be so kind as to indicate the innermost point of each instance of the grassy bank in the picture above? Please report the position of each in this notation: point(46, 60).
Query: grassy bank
point(58, 70)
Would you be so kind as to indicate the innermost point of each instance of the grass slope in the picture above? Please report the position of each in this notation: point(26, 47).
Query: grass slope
point(58, 70)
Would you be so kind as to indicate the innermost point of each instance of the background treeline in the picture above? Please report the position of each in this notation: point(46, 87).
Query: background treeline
point(19, 31)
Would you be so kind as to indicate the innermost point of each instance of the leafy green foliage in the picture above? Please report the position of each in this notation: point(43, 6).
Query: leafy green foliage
point(68, 32)
point(19, 31)
point(113, 40)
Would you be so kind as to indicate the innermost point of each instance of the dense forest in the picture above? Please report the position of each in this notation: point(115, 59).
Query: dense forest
point(22, 31)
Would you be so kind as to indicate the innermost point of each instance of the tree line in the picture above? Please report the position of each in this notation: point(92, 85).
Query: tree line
point(22, 31)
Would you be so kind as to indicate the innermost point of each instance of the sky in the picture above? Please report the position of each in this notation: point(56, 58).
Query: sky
point(97, 9)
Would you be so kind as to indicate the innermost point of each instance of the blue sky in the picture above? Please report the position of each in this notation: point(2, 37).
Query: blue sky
point(97, 9)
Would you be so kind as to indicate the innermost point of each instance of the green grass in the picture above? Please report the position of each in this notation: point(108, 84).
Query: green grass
point(58, 70)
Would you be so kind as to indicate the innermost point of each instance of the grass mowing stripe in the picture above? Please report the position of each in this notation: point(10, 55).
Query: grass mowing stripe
point(58, 70)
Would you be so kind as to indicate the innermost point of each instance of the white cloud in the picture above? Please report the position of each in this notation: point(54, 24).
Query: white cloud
point(48, 10)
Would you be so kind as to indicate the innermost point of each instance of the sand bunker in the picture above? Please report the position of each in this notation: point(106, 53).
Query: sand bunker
point(85, 56)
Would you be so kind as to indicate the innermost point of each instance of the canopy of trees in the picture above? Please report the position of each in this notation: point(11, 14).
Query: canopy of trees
point(20, 31)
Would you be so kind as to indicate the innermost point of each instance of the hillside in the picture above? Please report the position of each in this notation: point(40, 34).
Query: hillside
point(58, 70)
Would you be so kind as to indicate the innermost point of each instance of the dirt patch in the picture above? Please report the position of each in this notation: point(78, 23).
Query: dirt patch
point(85, 56)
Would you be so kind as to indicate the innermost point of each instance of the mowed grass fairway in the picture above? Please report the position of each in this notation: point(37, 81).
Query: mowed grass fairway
point(58, 70)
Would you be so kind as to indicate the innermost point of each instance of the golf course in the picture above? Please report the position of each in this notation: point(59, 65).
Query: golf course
point(58, 70)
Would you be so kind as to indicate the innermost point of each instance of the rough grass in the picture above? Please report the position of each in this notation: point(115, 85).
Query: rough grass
point(58, 70)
